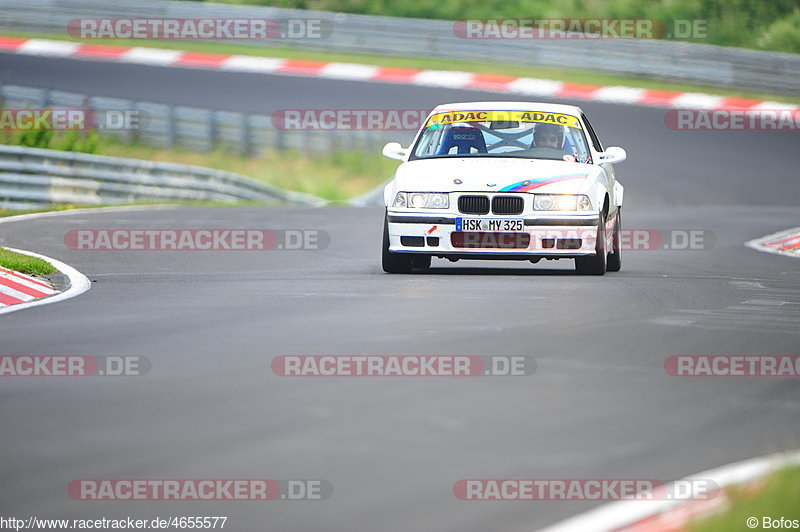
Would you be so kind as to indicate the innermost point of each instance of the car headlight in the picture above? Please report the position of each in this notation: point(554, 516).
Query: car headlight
point(401, 200)
point(422, 200)
point(561, 202)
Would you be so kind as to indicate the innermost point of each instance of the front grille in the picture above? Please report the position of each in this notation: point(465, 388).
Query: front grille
point(473, 204)
point(462, 239)
point(507, 205)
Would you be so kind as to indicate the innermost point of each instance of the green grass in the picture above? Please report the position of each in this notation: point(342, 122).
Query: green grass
point(24, 263)
point(780, 497)
point(499, 68)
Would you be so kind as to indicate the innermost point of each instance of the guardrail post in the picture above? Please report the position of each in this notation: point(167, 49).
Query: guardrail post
point(170, 126)
point(134, 110)
point(280, 140)
point(245, 137)
point(211, 128)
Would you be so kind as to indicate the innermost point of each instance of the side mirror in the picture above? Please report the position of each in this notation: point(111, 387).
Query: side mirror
point(394, 150)
point(613, 155)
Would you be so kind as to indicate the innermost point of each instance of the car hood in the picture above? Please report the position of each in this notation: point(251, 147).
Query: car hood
point(492, 175)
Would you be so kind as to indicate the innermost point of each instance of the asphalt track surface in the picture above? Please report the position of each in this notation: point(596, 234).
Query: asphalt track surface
point(600, 404)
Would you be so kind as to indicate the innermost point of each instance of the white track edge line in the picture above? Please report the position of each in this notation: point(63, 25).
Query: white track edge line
point(78, 284)
point(49, 214)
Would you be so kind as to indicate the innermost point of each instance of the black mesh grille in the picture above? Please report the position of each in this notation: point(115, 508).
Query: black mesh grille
point(507, 205)
point(473, 204)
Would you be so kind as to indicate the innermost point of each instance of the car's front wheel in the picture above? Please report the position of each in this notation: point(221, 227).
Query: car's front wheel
point(614, 262)
point(395, 262)
point(595, 264)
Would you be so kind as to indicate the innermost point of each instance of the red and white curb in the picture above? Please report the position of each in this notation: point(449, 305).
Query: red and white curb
point(18, 288)
point(357, 72)
point(673, 515)
point(18, 291)
point(781, 243)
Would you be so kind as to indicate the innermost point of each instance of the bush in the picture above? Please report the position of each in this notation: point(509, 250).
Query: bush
point(75, 141)
point(782, 35)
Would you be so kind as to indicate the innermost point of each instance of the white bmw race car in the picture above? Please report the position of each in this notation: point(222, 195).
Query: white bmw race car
point(503, 180)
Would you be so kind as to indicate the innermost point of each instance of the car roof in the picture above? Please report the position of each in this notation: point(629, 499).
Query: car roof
point(509, 106)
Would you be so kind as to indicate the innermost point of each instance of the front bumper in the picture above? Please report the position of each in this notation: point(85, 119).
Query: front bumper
point(545, 235)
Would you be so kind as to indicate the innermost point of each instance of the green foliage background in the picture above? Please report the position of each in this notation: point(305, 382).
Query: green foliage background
point(761, 24)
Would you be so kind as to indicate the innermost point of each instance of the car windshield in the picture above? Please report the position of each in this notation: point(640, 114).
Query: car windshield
point(520, 134)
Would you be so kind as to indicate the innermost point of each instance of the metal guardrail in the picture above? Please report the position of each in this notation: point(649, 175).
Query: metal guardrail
point(31, 177)
point(198, 129)
point(656, 59)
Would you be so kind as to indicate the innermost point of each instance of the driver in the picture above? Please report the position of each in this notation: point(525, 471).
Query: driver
point(548, 136)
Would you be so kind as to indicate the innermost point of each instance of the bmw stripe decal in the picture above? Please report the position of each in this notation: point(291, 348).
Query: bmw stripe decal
point(530, 184)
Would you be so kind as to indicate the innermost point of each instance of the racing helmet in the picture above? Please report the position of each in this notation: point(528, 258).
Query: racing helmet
point(543, 130)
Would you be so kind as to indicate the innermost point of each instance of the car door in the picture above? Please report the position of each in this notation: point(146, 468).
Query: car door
point(608, 169)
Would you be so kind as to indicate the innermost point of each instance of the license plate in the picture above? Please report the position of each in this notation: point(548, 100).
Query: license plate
point(490, 224)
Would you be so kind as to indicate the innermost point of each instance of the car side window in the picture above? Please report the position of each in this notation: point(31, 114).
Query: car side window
point(592, 135)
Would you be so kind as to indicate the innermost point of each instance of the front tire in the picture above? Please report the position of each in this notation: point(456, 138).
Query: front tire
point(395, 262)
point(595, 264)
point(614, 262)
